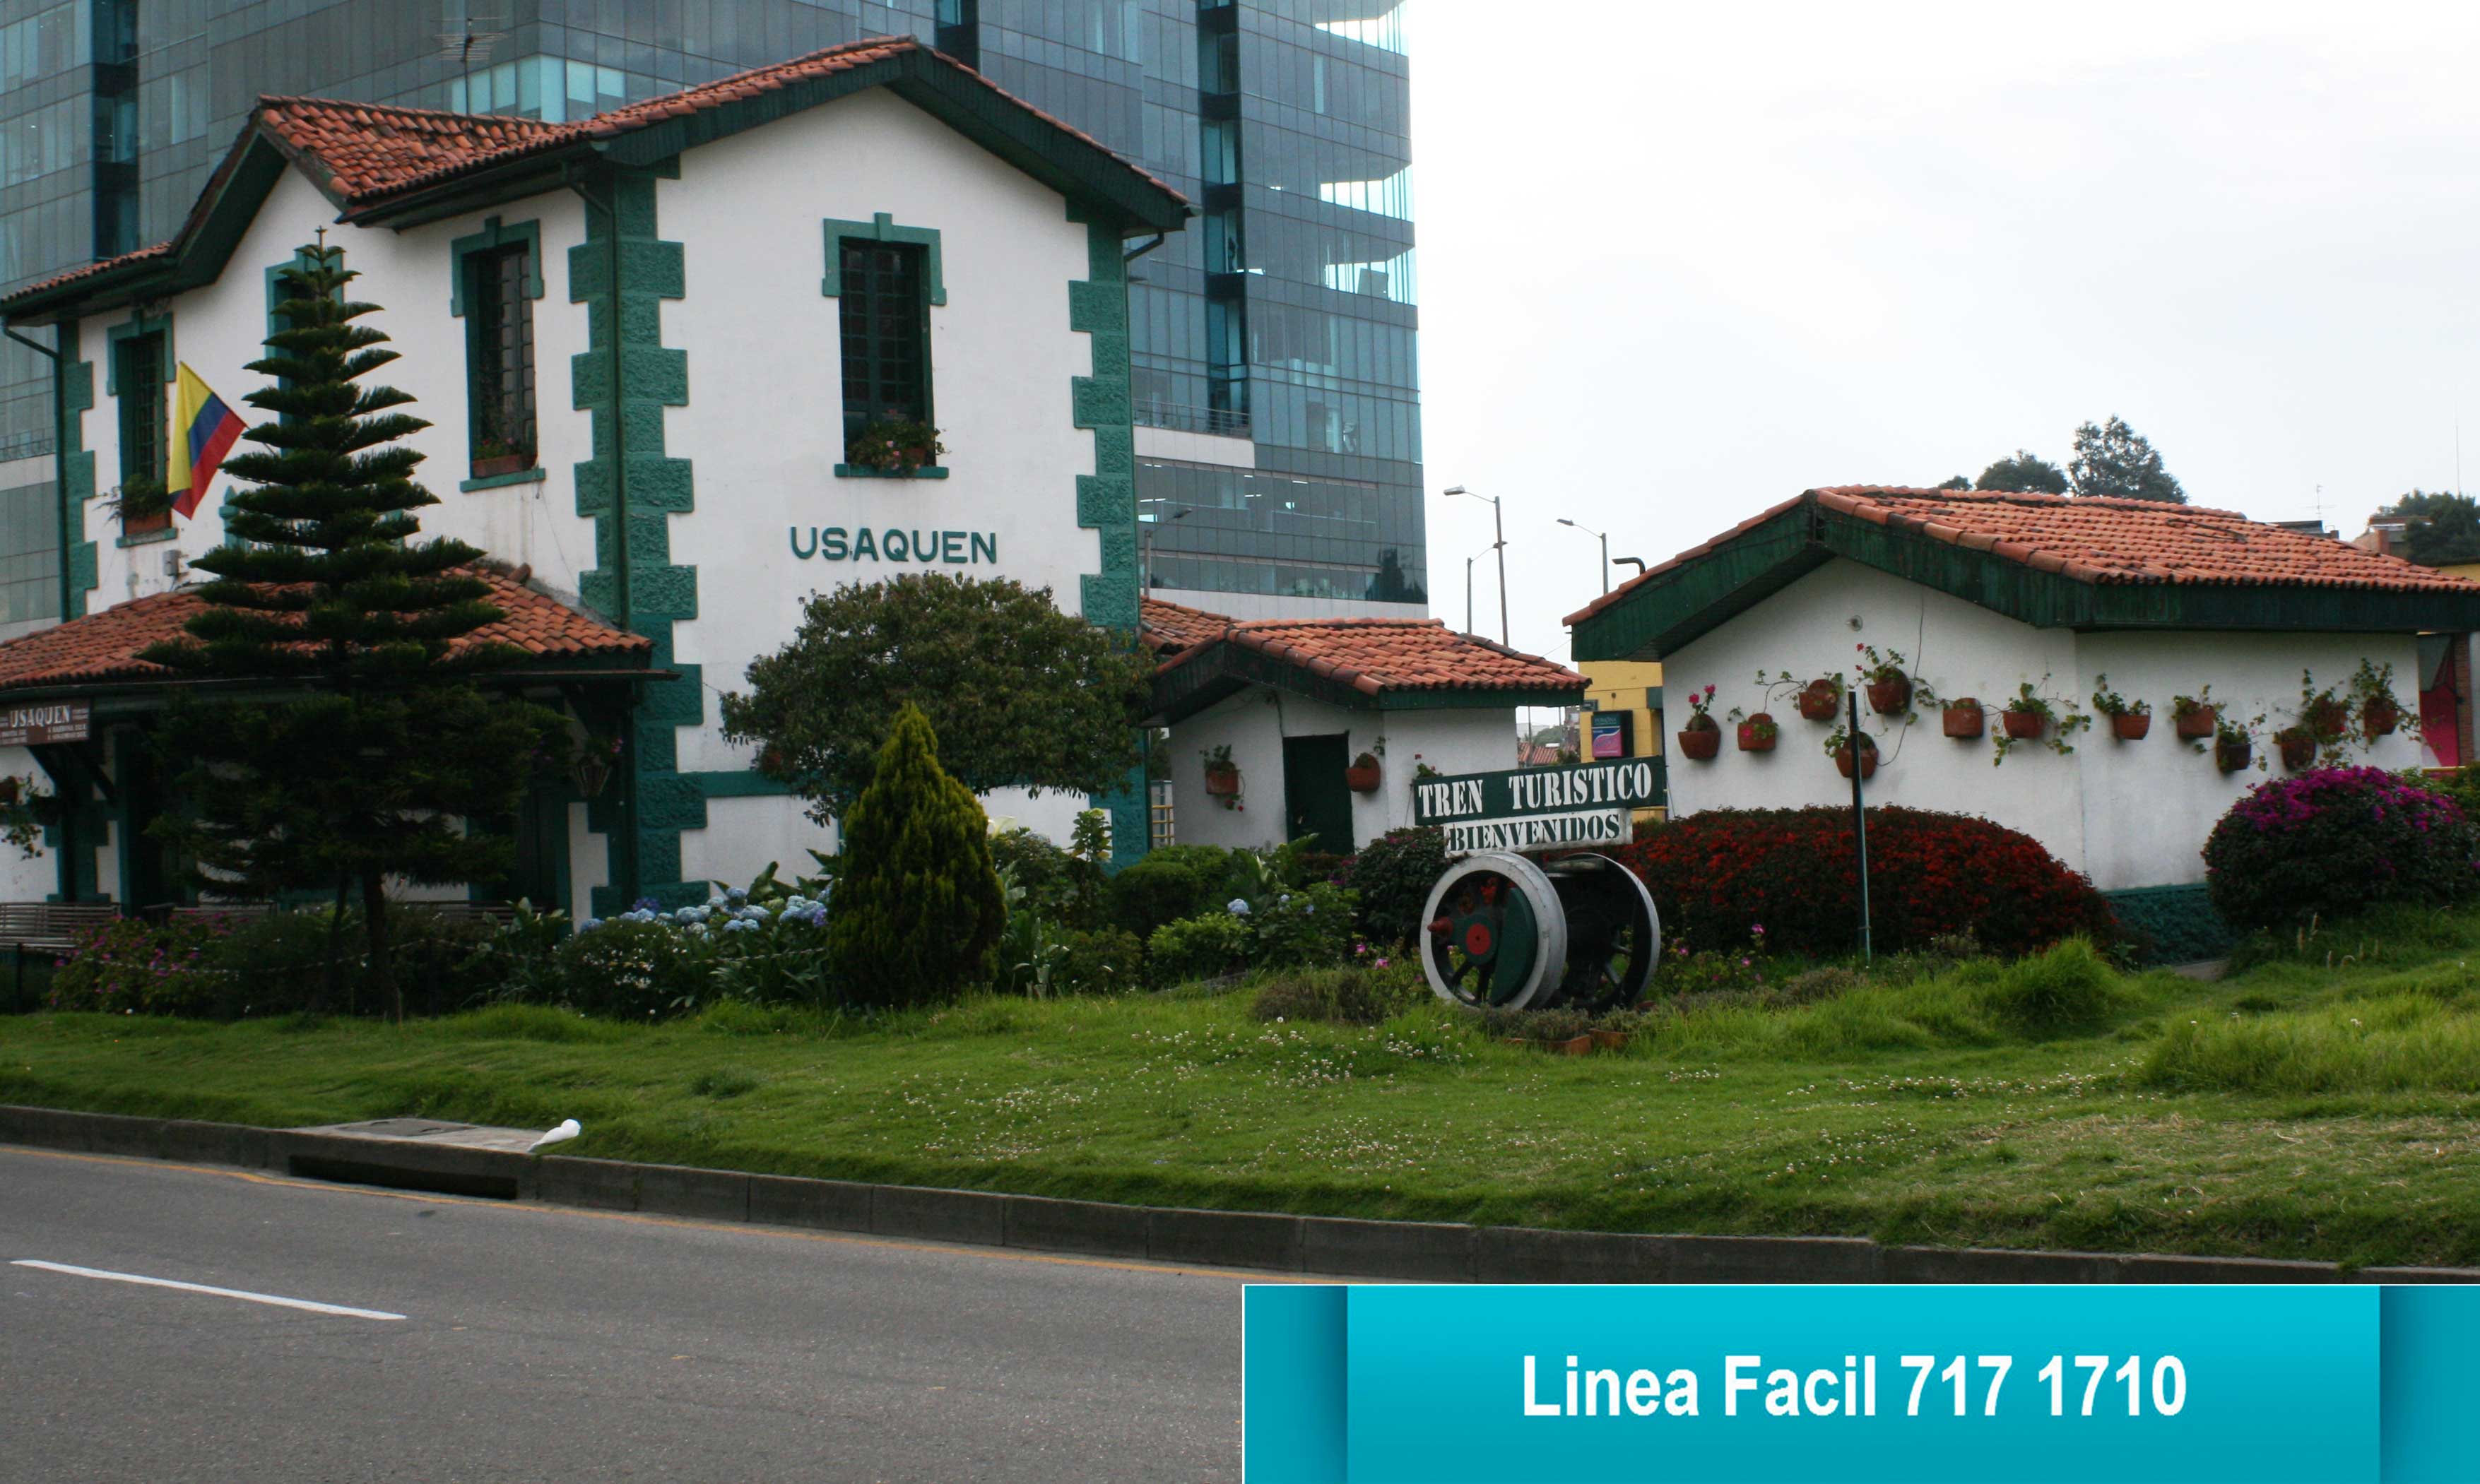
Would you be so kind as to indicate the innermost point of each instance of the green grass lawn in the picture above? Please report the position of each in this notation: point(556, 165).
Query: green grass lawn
point(2317, 1104)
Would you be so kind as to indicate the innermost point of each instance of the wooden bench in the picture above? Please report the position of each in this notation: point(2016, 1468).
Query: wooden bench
point(45, 928)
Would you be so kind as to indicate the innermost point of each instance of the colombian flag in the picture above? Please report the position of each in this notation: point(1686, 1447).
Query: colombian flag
point(204, 430)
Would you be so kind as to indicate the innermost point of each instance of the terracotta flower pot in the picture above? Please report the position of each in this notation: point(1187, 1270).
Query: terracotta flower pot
point(1223, 782)
point(2232, 756)
point(1574, 1046)
point(2379, 719)
point(1362, 781)
point(1758, 734)
point(1819, 701)
point(2298, 751)
point(1699, 744)
point(2022, 726)
point(2198, 724)
point(1965, 719)
point(2131, 725)
point(1888, 698)
point(1868, 761)
point(2328, 720)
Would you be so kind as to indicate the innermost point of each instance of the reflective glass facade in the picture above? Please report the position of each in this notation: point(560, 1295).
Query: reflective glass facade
point(1284, 315)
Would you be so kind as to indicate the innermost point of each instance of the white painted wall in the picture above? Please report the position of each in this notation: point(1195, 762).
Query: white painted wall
point(1255, 724)
point(2126, 814)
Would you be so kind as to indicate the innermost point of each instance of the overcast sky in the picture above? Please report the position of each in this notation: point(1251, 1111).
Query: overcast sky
point(1679, 263)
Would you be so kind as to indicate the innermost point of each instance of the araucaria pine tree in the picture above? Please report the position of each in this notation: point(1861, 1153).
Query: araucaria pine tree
point(917, 909)
point(387, 744)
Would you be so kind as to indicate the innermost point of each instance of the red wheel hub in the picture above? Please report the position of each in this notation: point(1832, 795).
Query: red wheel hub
point(1476, 940)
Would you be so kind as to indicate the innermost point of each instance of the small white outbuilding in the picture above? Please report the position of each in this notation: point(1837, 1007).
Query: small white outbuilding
point(1280, 711)
point(1977, 595)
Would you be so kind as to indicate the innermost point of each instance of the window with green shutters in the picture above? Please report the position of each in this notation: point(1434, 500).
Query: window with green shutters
point(500, 359)
point(138, 376)
point(886, 327)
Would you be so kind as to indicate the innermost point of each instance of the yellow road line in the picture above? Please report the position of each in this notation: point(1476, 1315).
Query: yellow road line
point(896, 1243)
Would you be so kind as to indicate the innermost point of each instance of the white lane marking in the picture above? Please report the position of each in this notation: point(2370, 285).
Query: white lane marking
point(201, 1288)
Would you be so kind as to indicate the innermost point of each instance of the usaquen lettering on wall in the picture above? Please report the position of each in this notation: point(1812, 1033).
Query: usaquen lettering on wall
point(894, 544)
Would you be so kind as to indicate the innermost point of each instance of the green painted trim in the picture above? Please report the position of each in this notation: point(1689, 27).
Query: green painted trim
point(72, 398)
point(146, 538)
point(1669, 609)
point(625, 381)
point(535, 475)
point(493, 235)
point(274, 276)
point(1106, 499)
point(2172, 924)
point(139, 322)
point(882, 228)
point(740, 783)
point(863, 471)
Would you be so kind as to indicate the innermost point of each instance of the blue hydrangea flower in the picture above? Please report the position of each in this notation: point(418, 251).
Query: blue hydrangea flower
point(1237, 907)
point(646, 905)
point(589, 925)
point(736, 894)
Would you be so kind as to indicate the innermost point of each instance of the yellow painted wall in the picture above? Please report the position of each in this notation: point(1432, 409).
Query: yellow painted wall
point(1619, 685)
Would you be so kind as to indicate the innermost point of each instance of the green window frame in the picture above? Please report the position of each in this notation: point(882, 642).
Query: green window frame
point(302, 258)
point(140, 366)
point(884, 312)
point(500, 357)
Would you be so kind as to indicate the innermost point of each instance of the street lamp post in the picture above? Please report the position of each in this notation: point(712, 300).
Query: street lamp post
point(1498, 526)
point(1606, 548)
point(1145, 558)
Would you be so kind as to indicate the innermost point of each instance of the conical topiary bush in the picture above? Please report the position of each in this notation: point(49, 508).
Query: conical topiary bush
point(917, 908)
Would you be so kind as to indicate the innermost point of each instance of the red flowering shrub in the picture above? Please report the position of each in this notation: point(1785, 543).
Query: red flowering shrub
point(1718, 874)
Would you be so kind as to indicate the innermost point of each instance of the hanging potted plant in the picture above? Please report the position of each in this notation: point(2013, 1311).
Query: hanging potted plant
point(1963, 719)
point(1888, 683)
point(2034, 717)
point(2380, 714)
point(2326, 715)
point(2129, 721)
point(1362, 776)
point(1850, 750)
point(1757, 732)
point(2234, 745)
point(2195, 716)
point(1222, 774)
point(2298, 747)
point(1702, 737)
point(1821, 700)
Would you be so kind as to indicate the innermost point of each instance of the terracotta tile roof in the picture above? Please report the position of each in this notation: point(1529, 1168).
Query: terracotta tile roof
point(2100, 541)
point(162, 250)
point(105, 646)
point(1374, 656)
point(370, 152)
point(1169, 628)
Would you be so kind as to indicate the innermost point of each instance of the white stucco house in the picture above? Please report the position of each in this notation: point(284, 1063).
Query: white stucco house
point(1290, 704)
point(1984, 591)
point(654, 346)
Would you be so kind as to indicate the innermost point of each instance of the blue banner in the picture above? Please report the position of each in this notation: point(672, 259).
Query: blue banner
point(1415, 1384)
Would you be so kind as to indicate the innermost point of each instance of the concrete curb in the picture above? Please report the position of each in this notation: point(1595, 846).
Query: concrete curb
point(1419, 1251)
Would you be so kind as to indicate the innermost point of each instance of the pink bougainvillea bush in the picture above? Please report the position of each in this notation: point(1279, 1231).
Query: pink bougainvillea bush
point(2333, 841)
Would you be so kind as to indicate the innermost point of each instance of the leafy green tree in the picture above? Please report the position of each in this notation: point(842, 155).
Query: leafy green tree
point(2024, 472)
point(1958, 482)
point(1022, 693)
point(917, 908)
point(2442, 528)
point(2114, 461)
point(390, 744)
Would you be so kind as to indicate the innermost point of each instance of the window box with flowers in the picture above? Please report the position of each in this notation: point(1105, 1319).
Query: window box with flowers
point(1702, 737)
point(893, 447)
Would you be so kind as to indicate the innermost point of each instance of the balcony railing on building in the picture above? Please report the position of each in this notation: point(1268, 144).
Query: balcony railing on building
point(1229, 422)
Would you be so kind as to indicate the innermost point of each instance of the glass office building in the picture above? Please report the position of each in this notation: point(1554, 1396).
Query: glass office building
point(1275, 386)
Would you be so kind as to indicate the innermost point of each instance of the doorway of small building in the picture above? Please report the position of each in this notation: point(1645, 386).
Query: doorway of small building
point(1316, 799)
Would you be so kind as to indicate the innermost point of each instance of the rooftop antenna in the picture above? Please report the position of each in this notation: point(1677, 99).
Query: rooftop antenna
point(473, 40)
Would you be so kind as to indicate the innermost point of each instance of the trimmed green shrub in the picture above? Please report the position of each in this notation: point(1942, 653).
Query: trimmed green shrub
point(1393, 876)
point(917, 909)
point(1168, 884)
point(631, 970)
point(1106, 961)
point(1200, 947)
point(2335, 841)
point(1047, 874)
point(1311, 928)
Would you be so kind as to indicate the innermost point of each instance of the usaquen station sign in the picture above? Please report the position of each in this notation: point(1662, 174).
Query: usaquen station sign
point(52, 721)
point(1537, 808)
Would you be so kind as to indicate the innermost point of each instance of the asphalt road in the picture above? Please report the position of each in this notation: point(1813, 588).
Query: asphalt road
point(543, 1344)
